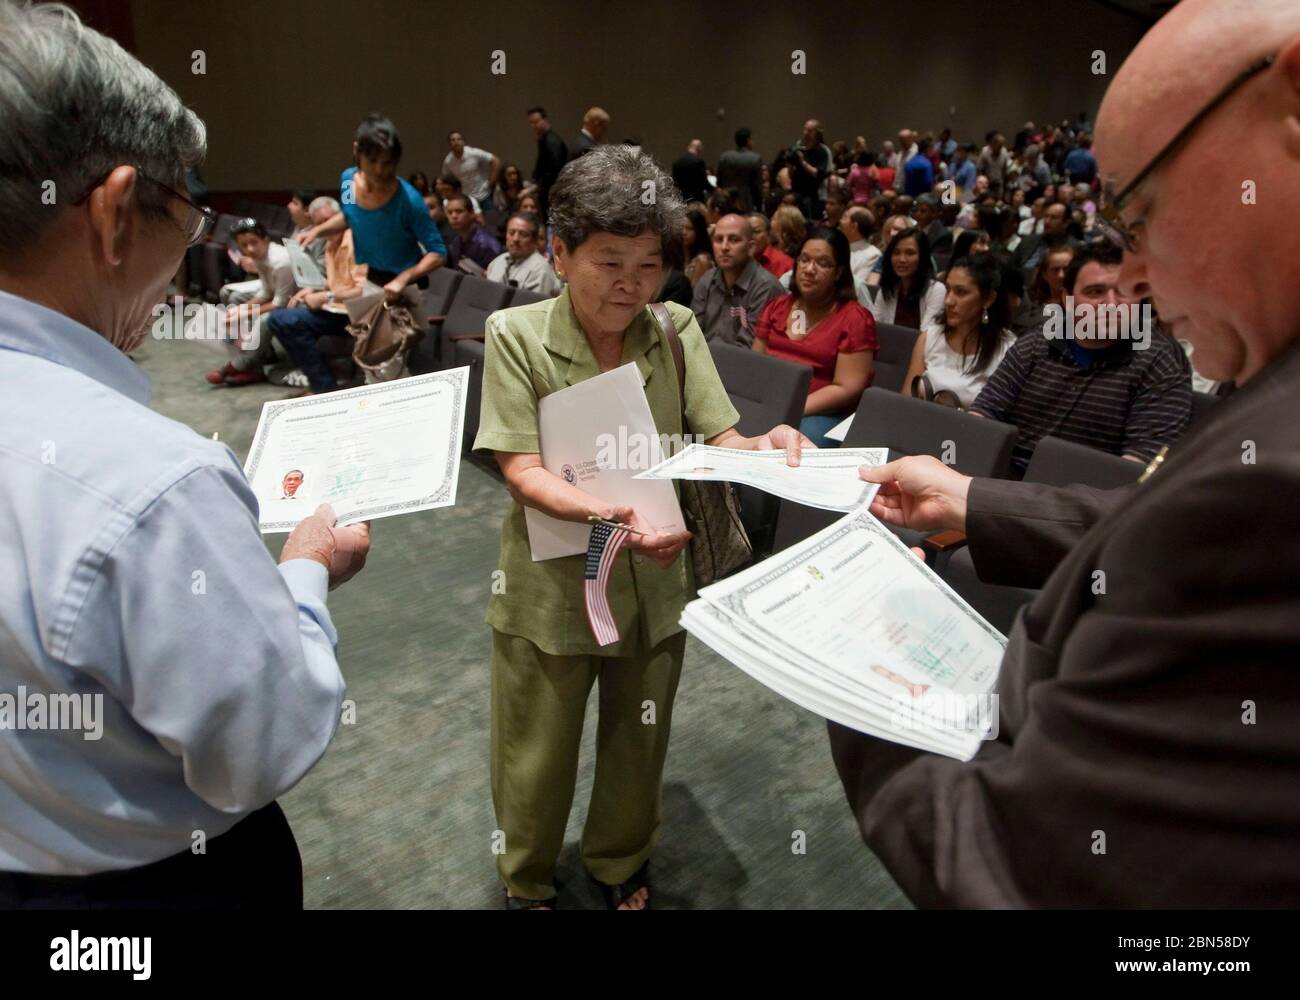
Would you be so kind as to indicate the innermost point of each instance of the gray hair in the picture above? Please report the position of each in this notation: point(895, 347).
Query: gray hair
point(324, 201)
point(73, 106)
point(618, 190)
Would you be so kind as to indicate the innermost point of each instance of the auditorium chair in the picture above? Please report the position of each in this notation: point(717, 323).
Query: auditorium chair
point(976, 446)
point(209, 265)
point(470, 352)
point(524, 297)
point(427, 355)
point(894, 357)
point(765, 391)
point(1055, 462)
point(475, 300)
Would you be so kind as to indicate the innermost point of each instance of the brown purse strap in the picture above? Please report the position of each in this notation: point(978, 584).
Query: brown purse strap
point(666, 324)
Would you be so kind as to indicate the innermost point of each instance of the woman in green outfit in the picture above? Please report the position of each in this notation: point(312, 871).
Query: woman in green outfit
point(614, 213)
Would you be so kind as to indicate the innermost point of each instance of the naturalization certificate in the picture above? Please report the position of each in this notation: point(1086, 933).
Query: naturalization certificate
point(374, 451)
point(825, 477)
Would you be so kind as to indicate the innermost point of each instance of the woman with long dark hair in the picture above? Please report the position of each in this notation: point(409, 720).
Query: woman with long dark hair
point(959, 356)
point(819, 323)
point(909, 294)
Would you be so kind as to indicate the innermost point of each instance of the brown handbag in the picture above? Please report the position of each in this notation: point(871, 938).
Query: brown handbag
point(381, 339)
point(719, 544)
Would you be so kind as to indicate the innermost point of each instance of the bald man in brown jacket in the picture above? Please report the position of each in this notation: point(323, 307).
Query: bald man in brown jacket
point(1149, 744)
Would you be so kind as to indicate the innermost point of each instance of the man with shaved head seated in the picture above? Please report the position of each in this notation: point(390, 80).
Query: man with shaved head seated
point(1149, 734)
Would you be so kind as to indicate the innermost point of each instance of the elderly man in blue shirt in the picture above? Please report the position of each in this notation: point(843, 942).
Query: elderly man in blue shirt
point(133, 578)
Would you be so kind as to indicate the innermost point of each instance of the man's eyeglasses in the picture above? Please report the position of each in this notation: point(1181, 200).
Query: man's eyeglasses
point(198, 223)
point(1108, 218)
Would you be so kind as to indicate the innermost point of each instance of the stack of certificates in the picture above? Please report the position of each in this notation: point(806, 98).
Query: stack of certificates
point(853, 626)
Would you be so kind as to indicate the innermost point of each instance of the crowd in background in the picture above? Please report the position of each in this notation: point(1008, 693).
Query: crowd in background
point(803, 257)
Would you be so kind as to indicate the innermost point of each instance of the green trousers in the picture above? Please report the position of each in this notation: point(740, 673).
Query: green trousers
point(538, 703)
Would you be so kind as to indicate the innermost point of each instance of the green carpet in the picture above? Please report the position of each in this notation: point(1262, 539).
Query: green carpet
point(398, 813)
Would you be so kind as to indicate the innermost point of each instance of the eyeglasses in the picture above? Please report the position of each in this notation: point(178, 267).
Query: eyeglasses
point(1108, 218)
point(198, 223)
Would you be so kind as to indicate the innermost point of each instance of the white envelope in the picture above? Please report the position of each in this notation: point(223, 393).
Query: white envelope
point(584, 431)
point(305, 272)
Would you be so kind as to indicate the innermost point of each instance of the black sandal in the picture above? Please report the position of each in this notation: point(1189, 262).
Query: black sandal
point(519, 903)
point(616, 895)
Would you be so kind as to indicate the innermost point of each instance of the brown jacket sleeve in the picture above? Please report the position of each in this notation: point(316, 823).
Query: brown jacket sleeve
point(1019, 532)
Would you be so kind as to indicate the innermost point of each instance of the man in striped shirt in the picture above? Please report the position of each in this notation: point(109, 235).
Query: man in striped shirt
point(1128, 396)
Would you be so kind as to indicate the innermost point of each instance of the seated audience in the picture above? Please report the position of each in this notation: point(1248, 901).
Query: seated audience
point(315, 313)
point(909, 295)
point(858, 227)
point(959, 356)
point(299, 206)
point(728, 299)
point(788, 229)
point(926, 213)
point(252, 349)
point(699, 249)
point(1056, 222)
point(771, 258)
point(521, 266)
point(470, 241)
point(449, 184)
point(1101, 391)
point(509, 189)
point(819, 323)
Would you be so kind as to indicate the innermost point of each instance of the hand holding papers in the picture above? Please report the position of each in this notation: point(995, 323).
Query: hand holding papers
point(585, 430)
point(375, 451)
point(826, 478)
point(852, 626)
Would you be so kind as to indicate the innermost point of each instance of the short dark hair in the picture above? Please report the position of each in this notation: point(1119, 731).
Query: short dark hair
point(303, 196)
point(534, 223)
point(376, 136)
point(536, 110)
point(455, 131)
point(1099, 251)
point(463, 198)
point(845, 291)
point(742, 137)
point(249, 225)
point(451, 180)
point(839, 194)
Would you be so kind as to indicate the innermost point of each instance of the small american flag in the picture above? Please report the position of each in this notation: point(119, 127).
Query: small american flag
point(602, 550)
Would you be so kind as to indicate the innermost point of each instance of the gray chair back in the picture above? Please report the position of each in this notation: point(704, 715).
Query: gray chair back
point(428, 354)
point(894, 356)
point(524, 297)
point(475, 300)
point(979, 446)
point(470, 352)
point(766, 391)
point(1057, 462)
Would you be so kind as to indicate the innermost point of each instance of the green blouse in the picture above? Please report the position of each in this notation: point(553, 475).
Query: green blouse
point(537, 349)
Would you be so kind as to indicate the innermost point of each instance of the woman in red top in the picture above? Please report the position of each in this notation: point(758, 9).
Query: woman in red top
point(820, 324)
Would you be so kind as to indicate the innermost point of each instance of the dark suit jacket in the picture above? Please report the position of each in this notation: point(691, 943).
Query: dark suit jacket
point(1126, 713)
point(742, 169)
point(580, 145)
point(552, 155)
point(691, 176)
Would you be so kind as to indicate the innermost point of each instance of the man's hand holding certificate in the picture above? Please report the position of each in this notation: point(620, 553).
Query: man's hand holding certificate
point(851, 625)
point(374, 451)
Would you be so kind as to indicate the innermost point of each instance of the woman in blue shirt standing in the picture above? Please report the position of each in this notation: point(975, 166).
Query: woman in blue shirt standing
point(391, 228)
